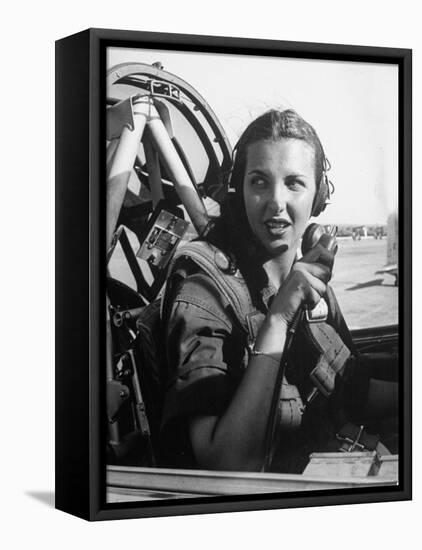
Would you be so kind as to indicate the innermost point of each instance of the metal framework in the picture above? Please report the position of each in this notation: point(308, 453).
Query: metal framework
point(141, 143)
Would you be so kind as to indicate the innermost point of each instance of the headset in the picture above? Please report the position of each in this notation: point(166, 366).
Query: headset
point(324, 191)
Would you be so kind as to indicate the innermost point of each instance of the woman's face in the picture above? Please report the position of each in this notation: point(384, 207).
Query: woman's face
point(279, 188)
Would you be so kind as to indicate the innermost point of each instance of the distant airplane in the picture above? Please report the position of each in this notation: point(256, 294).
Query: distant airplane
point(392, 267)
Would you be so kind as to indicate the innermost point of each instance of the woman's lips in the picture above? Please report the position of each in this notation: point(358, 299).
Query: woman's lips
point(276, 227)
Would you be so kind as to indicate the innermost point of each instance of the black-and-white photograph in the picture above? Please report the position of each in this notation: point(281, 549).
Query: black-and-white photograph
point(253, 280)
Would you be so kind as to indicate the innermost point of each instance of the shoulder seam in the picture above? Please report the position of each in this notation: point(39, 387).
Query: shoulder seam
point(197, 302)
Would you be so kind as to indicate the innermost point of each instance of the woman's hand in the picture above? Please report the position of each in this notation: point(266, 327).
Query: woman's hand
point(305, 284)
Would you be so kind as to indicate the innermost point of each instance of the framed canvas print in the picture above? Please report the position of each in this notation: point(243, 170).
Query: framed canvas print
point(233, 274)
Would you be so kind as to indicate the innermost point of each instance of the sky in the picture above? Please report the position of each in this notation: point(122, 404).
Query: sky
point(353, 107)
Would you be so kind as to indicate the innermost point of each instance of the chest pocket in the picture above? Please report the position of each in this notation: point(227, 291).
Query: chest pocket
point(333, 356)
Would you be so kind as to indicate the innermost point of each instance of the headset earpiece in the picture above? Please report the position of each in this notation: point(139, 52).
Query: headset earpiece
point(323, 194)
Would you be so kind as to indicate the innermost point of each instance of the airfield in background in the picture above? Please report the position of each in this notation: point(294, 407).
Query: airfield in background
point(366, 299)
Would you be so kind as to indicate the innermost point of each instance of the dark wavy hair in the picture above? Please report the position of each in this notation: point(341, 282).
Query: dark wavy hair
point(231, 232)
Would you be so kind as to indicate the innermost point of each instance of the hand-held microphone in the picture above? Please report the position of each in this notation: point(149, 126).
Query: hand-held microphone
point(318, 234)
point(326, 237)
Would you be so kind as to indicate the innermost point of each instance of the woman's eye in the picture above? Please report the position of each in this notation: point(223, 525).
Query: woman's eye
point(258, 182)
point(295, 184)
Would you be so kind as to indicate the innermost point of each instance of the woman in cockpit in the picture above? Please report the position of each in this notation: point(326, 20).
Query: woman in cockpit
point(254, 385)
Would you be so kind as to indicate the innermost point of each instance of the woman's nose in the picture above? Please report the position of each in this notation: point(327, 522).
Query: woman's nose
point(277, 198)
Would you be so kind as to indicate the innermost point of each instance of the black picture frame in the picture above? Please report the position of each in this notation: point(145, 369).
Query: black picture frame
point(80, 306)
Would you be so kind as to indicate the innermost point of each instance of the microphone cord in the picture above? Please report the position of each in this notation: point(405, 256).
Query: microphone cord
point(271, 423)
